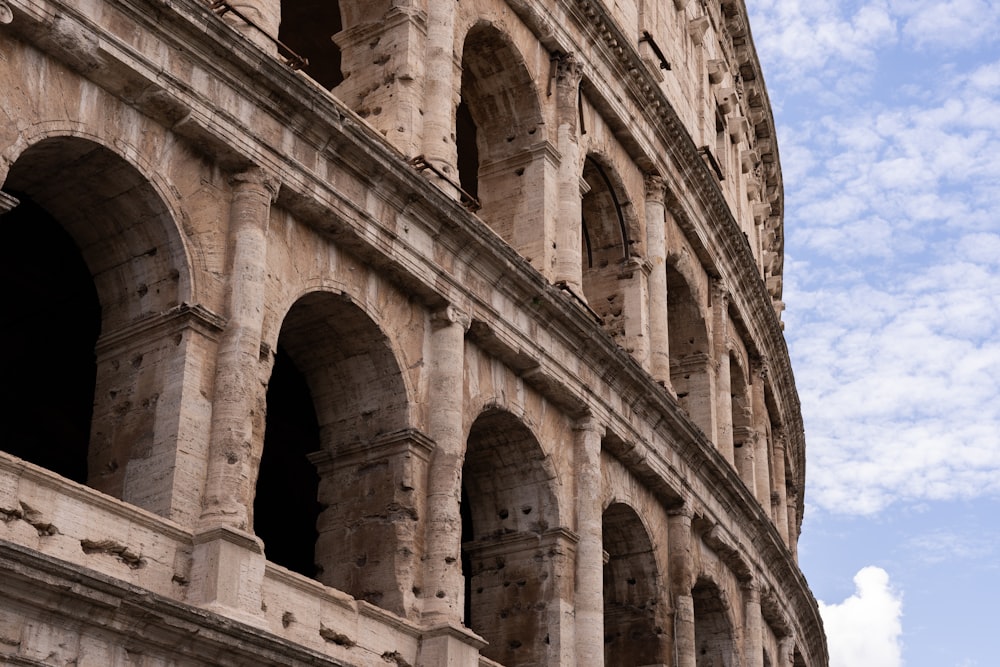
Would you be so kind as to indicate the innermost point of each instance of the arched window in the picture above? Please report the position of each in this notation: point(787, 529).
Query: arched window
point(308, 27)
point(713, 628)
point(511, 554)
point(633, 624)
point(100, 274)
point(690, 359)
point(501, 152)
point(604, 249)
point(49, 369)
point(338, 455)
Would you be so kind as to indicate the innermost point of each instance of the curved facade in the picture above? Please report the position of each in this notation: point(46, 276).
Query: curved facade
point(453, 340)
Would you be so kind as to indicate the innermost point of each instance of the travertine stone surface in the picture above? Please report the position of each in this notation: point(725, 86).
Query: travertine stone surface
point(460, 345)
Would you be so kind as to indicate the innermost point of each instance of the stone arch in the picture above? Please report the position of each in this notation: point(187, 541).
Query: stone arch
point(605, 243)
point(633, 609)
point(714, 628)
point(690, 350)
point(742, 402)
point(113, 222)
point(351, 472)
point(514, 556)
point(502, 155)
point(307, 27)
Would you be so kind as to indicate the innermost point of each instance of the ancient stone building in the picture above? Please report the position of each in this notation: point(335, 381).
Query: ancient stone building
point(452, 340)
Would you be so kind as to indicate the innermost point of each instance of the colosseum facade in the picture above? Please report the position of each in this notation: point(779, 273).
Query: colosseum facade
point(451, 339)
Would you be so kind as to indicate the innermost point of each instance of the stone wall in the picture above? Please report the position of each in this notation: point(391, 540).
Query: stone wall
point(474, 359)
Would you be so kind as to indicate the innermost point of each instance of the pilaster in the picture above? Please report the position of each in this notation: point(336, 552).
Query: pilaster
point(762, 468)
point(753, 638)
point(568, 260)
point(589, 599)
point(239, 401)
point(681, 576)
point(779, 495)
point(442, 73)
point(656, 250)
point(723, 384)
point(443, 588)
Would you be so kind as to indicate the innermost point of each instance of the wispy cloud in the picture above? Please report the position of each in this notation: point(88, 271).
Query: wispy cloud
point(893, 239)
point(949, 546)
point(865, 628)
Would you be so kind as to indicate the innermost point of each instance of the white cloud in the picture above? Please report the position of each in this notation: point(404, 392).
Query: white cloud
point(949, 546)
point(865, 628)
point(951, 25)
point(796, 38)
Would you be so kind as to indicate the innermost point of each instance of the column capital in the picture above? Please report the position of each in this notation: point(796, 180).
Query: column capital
point(751, 587)
point(720, 291)
point(759, 367)
point(256, 176)
point(569, 71)
point(449, 315)
point(656, 188)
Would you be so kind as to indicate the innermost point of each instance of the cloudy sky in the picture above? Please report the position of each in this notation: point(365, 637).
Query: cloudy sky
point(888, 119)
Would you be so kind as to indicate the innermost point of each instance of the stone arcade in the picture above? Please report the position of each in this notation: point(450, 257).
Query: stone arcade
point(453, 340)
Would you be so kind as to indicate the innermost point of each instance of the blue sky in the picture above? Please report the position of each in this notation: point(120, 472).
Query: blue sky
point(888, 118)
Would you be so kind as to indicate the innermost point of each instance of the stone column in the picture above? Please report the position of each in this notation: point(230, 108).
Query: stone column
point(634, 281)
point(240, 397)
point(445, 640)
point(443, 584)
point(793, 522)
point(266, 17)
point(753, 645)
point(723, 384)
point(656, 252)
point(786, 651)
point(681, 576)
point(227, 571)
point(762, 472)
point(780, 504)
point(589, 599)
point(745, 461)
point(569, 225)
point(441, 92)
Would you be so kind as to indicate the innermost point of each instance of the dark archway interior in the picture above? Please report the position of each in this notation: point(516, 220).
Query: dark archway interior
point(467, 535)
point(285, 508)
point(468, 150)
point(713, 632)
point(48, 368)
point(633, 634)
point(307, 27)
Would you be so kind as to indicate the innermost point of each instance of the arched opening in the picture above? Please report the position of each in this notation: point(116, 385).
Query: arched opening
point(110, 256)
point(511, 555)
point(49, 368)
point(497, 123)
point(690, 359)
point(633, 629)
point(466, 138)
point(743, 442)
point(604, 247)
point(713, 630)
point(339, 406)
point(307, 27)
point(286, 506)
